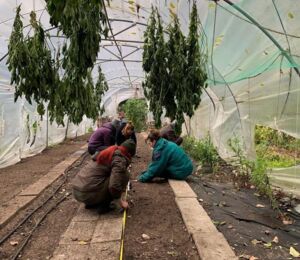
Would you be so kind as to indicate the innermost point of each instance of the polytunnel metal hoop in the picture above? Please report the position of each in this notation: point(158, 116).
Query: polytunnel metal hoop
point(288, 57)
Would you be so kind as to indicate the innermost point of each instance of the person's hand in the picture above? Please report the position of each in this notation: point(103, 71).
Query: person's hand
point(140, 178)
point(143, 172)
point(124, 204)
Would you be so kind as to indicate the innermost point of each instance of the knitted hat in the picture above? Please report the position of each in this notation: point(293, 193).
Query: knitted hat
point(115, 123)
point(130, 146)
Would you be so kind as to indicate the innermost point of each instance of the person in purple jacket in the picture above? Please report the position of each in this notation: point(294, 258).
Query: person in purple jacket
point(103, 137)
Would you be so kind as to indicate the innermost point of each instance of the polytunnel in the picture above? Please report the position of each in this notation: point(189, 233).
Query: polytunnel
point(252, 63)
point(224, 74)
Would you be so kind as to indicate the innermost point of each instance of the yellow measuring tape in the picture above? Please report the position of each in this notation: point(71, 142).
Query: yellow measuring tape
point(123, 227)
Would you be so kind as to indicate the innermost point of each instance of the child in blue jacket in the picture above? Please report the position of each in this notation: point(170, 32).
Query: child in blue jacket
point(168, 160)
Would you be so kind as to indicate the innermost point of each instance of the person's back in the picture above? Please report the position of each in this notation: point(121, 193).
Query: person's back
point(168, 160)
point(98, 183)
point(169, 134)
point(103, 137)
point(179, 164)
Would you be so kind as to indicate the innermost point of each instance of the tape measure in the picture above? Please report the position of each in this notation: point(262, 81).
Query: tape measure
point(123, 225)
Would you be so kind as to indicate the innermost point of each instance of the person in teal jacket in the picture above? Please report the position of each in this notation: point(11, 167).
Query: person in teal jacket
point(168, 160)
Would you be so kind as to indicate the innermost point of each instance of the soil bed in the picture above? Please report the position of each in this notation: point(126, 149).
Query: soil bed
point(247, 220)
point(16, 178)
point(155, 214)
point(46, 236)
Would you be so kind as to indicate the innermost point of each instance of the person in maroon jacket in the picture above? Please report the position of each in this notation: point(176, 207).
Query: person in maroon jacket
point(100, 182)
point(102, 138)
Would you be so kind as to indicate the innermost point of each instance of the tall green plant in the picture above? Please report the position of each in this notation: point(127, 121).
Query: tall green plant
point(35, 73)
point(176, 63)
point(83, 22)
point(154, 60)
point(136, 111)
point(195, 73)
point(175, 70)
point(30, 63)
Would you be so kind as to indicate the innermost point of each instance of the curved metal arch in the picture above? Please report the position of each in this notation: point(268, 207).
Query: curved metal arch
point(132, 68)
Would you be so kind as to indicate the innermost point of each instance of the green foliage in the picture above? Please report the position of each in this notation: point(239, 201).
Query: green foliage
point(201, 150)
point(195, 74)
point(136, 111)
point(175, 70)
point(276, 148)
point(176, 64)
point(30, 63)
point(268, 136)
point(83, 22)
point(274, 158)
point(255, 171)
point(245, 166)
point(154, 64)
point(35, 73)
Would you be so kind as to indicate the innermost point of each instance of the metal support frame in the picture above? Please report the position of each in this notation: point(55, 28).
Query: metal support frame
point(126, 21)
point(118, 57)
point(112, 34)
point(109, 60)
point(124, 76)
point(284, 53)
point(131, 53)
point(124, 30)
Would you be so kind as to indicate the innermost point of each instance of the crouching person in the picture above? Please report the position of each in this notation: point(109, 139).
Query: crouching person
point(168, 160)
point(105, 179)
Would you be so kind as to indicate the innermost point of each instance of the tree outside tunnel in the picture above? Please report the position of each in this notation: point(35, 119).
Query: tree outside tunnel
point(136, 111)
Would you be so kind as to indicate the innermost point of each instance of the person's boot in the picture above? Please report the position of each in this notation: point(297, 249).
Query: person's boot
point(104, 208)
point(91, 206)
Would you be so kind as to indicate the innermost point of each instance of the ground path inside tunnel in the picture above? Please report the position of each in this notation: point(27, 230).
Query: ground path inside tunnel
point(156, 227)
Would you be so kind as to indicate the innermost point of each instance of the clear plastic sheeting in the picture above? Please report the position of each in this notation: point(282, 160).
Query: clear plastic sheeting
point(287, 179)
point(24, 133)
point(253, 54)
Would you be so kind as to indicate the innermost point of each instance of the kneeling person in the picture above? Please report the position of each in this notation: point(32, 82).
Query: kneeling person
point(168, 160)
point(102, 181)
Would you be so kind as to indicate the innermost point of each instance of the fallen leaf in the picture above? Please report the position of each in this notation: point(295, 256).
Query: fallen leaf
point(268, 245)
point(172, 253)
point(82, 242)
point(14, 243)
point(219, 223)
point(267, 232)
point(257, 194)
point(275, 240)
point(201, 200)
point(255, 241)
point(145, 236)
point(172, 6)
point(290, 15)
point(253, 258)
point(260, 205)
point(243, 256)
point(294, 252)
point(230, 227)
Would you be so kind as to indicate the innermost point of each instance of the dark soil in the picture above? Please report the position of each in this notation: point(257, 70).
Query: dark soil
point(17, 177)
point(46, 236)
point(155, 214)
point(248, 227)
